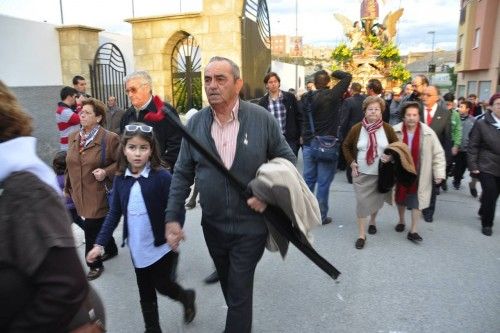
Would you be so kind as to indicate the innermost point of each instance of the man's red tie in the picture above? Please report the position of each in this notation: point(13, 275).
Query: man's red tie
point(429, 117)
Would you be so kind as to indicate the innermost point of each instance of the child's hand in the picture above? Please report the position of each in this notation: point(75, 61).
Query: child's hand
point(95, 253)
point(99, 174)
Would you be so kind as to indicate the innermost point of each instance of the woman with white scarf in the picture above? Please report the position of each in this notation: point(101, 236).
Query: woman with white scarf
point(42, 283)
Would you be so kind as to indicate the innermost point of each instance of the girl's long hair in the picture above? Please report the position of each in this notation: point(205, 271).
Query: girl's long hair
point(155, 161)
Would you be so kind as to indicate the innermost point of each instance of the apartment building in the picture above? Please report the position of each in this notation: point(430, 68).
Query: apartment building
point(478, 48)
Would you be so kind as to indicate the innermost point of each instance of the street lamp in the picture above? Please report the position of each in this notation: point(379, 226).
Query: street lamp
point(61, 9)
point(296, 40)
point(432, 65)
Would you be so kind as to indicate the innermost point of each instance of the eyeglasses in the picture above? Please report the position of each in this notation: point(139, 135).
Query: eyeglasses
point(133, 90)
point(142, 128)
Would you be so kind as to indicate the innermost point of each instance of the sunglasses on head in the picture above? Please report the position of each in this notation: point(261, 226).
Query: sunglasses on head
point(142, 128)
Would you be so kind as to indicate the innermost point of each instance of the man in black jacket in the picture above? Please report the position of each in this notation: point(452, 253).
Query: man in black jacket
point(419, 84)
point(352, 110)
point(284, 107)
point(351, 113)
point(324, 110)
point(374, 88)
point(437, 117)
point(149, 109)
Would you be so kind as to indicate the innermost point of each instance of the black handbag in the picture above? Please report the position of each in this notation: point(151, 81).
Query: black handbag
point(324, 147)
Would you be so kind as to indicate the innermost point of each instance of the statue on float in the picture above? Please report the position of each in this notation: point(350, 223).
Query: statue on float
point(371, 51)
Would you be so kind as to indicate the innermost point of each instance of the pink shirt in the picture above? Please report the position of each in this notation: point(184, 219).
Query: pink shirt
point(226, 135)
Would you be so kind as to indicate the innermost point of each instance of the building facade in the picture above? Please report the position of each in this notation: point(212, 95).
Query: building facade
point(478, 48)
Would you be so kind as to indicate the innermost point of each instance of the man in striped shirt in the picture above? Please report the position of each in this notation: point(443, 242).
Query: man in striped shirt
point(284, 107)
point(67, 120)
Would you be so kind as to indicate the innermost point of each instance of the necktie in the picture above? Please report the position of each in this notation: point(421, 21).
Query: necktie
point(429, 117)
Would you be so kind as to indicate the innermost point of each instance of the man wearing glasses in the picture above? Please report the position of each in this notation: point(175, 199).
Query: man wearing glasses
point(150, 109)
point(437, 117)
point(419, 83)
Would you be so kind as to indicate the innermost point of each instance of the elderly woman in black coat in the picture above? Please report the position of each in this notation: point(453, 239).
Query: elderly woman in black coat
point(484, 160)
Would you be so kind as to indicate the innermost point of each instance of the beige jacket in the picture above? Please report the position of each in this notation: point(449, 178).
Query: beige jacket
point(432, 162)
point(88, 194)
point(279, 183)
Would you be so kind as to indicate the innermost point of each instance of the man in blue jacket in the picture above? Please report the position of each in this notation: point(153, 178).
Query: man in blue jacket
point(243, 136)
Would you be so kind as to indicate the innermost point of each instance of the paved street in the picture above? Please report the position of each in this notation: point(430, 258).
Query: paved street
point(448, 283)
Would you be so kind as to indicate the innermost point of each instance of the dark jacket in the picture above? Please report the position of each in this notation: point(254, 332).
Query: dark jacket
point(154, 189)
point(325, 107)
point(168, 136)
point(413, 98)
point(42, 279)
point(223, 206)
point(352, 113)
point(483, 152)
point(293, 115)
point(401, 170)
point(441, 124)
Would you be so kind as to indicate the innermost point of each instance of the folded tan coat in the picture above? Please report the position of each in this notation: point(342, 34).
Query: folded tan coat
point(279, 183)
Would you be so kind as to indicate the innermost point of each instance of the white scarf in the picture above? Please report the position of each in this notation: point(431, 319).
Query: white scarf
point(19, 154)
point(497, 121)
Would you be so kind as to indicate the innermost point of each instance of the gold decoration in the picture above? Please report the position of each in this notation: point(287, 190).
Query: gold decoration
point(371, 52)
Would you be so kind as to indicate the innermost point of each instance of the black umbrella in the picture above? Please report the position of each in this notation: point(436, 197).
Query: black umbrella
point(274, 215)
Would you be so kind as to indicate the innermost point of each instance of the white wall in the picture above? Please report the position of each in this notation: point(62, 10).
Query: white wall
point(125, 45)
point(29, 53)
point(287, 75)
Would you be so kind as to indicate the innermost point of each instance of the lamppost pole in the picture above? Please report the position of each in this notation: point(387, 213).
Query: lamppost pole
point(61, 8)
point(297, 55)
point(433, 33)
point(431, 72)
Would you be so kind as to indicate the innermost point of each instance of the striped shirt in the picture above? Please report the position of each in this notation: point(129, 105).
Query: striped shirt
point(68, 122)
point(278, 110)
point(226, 135)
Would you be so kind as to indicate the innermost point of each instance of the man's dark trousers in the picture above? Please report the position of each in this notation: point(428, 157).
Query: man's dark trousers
point(428, 212)
point(491, 189)
point(235, 257)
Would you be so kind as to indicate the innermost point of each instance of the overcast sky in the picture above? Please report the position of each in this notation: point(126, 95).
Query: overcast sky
point(315, 21)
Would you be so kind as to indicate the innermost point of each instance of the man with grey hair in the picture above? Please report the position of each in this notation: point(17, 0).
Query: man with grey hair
point(150, 110)
point(244, 136)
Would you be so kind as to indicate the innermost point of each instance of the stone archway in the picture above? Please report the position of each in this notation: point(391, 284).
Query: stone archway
point(185, 72)
point(222, 28)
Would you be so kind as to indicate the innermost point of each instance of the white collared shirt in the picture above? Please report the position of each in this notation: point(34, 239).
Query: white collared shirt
point(433, 112)
point(140, 239)
point(145, 105)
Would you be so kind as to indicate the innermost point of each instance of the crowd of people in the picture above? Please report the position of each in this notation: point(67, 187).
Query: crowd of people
point(397, 147)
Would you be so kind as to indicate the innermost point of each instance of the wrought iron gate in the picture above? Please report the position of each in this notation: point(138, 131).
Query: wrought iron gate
point(107, 73)
point(186, 75)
